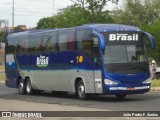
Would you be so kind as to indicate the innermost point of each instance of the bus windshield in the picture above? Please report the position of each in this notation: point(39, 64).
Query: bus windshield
point(124, 54)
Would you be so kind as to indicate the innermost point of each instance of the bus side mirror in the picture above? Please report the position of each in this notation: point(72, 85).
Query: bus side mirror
point(151, 39)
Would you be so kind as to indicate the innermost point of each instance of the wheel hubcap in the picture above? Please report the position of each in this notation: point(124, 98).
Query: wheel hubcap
point(28, 88)
point(21, 87)
point(81, 90)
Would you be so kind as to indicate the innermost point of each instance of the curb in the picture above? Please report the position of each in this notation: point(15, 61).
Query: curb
point(155, 88)
point(2, 82)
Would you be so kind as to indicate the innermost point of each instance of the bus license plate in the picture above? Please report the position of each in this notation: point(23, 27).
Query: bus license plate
point(130, 88)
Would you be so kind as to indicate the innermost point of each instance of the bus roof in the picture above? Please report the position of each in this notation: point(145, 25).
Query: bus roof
point(30, 32)
point(96, 27)
point(109, 27)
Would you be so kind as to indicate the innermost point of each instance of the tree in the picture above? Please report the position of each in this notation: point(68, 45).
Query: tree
point(3, 38)
point(71, 16)
point(95, 7)
point(48, 22)
point(138, 12)
point(3, 35)
point(82, 12)
point(154, 30)
point(17, 29)
point(67, 17)
point(144, 14)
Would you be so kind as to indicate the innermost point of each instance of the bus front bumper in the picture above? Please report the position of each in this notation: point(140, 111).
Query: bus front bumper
point(113, 90)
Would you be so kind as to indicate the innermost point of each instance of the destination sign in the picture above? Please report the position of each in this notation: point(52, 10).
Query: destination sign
point(123, 38)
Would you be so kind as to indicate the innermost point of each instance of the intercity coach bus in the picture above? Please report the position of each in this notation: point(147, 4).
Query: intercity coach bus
point(104, 59)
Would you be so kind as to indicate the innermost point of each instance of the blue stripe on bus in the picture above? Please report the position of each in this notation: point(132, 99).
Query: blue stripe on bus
point(57, 61)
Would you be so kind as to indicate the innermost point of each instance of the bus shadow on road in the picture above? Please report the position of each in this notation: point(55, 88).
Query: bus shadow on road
point(99, 98)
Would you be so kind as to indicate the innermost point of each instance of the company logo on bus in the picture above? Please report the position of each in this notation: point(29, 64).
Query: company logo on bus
point(123, 37)
point(42, 61)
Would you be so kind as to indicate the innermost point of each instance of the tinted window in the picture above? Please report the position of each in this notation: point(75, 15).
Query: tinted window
point(10, 45)
point(51, 41)
point(81, 36)
point(22, 44)
point(65, 40)
point(124, 54)
point(84, 42)
point(87, 48)
point(37, 43)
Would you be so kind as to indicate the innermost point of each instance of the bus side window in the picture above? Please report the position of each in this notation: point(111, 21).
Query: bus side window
point(22, 44)
point(82, 35)
point(96, 56)
point(36, 43)
point(65, 40)
point(87, 48)
point(51, 41)
point(62, 42)
point(70, 39)
point(84, 42)
point(18, 47)
point(10, 46)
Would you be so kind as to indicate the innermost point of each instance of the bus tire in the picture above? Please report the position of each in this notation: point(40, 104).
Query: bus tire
point(21, 88)
point(81, 90)
point(29, 88)
point(120, 96)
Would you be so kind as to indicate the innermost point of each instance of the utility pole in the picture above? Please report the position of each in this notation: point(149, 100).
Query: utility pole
point(13, 15)
point(53, 7)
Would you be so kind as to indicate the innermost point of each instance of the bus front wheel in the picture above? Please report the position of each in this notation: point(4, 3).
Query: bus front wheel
point(29, 88)
point(81, 90)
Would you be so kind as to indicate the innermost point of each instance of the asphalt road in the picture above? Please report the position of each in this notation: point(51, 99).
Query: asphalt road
point(145, 102)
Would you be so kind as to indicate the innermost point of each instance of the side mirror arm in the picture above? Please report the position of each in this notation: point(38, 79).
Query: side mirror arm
point(101, 40)
point(151, 39)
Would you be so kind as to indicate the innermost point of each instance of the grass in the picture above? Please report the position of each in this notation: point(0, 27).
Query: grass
point(2, 67)
point(155, 83)
point(2, 75)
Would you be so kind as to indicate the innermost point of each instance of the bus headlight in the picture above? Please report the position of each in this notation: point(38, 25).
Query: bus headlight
point(109, 82)
point(147, 81)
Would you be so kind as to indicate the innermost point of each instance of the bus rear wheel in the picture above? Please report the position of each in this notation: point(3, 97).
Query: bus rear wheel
point(81, 90)
point(21, 88)
point(29, 89)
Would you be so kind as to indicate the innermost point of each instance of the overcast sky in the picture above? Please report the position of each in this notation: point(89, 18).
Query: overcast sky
point(28, 12)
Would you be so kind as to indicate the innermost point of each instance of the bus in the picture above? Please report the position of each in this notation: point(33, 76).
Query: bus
point(100, 59)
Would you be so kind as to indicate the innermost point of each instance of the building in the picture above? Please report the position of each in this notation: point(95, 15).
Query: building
point(4, 24)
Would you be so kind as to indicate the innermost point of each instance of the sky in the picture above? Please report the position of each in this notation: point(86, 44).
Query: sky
point(29, 12)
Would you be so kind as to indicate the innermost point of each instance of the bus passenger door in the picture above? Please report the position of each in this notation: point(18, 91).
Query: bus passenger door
point(97, 73)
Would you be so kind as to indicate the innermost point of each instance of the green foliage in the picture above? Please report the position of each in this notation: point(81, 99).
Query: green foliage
point(48, 22)
point(154, 30)
point(3, 36)
point(138, 12)
point(95, 7)
point(67, 17)
point(71, 16)
point(17, 29)
point(82, 12)
point(155, 83)
point(144, 14)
